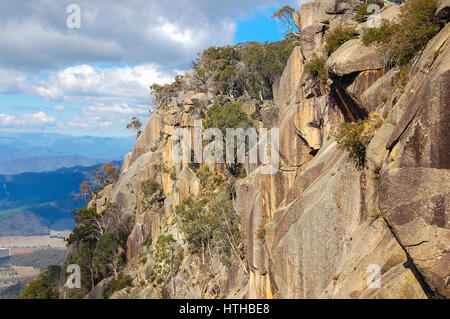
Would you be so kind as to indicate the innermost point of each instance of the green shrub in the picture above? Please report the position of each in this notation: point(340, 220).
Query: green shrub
point(376, 176)
point(167, 258)
point(119, 283)
point(148, 241)
point(261, 233)
point(375, 213)
point(337, 37)
point(152, 191)
point(349, 138)
point(401, 41)
point(228, 116)
point(379, 35)
point(45, 287)
point(316, 66)
point(106, 257)
point(210, 224)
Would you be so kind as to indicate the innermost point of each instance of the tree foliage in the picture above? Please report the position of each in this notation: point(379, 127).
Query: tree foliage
point(211, 225)
point(107, 255)
point(337, 37)
point(135, 125)
point(286, 16)
point(316, 66)
point(349, 138)
point(167, 257)
point(244, 70)
point(108, 174)
point(402, 40)
point(228, 116)
point(99, 242)
point(89, 226)
point(45, 287)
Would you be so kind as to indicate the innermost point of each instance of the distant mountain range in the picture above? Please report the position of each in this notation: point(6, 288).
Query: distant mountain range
point(40, 173)
point(30, 145)
point(35, 203)
point(44, 164)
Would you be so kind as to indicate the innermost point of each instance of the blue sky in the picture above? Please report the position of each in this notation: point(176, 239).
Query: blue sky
point(92, 80)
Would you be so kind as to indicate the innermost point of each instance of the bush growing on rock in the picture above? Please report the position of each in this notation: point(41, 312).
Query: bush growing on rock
point(381, 35)
point(354, 137)
point(45, 287)
point(107, 256)
point(121, 282)
point(228, 116)
point(337, 37)
point(401, 41)
point(211, 225)
point(167, 258)
point(152, 191)
point(349, 138)
point(316, 66)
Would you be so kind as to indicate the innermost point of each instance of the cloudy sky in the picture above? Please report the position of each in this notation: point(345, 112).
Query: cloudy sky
point(91, 80)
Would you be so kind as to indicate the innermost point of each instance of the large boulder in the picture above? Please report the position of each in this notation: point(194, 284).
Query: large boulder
point(390, 12)
point(317, 11)
point(374, 266)
point(315, 120)
point(148, 138)
point(307, 238)
point(361, 83)
point(324, 244)
point(200, 100)
point(353, 56)
point(415, 202)
point(414, 196)
point(378, 92)
point(311, 38)
point(188, 183)
point(420, 139)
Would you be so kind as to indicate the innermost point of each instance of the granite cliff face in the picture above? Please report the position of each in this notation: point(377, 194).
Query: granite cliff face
point(321, 227)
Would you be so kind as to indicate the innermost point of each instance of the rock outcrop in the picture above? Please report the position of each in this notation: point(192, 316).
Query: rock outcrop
point(321, 226)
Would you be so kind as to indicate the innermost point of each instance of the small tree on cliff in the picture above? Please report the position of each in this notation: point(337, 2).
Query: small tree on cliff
point(135, 125)
point(287, 16)
point(107, 174)
point(86, 191)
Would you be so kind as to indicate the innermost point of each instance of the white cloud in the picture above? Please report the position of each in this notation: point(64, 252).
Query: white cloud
point(155, 38)
point(59, 108)
point(122, 109)
point(88, 123)
point(11, 81)
point(34, 35)
point(6, 120)
point(39, 119)
point(86, 83)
